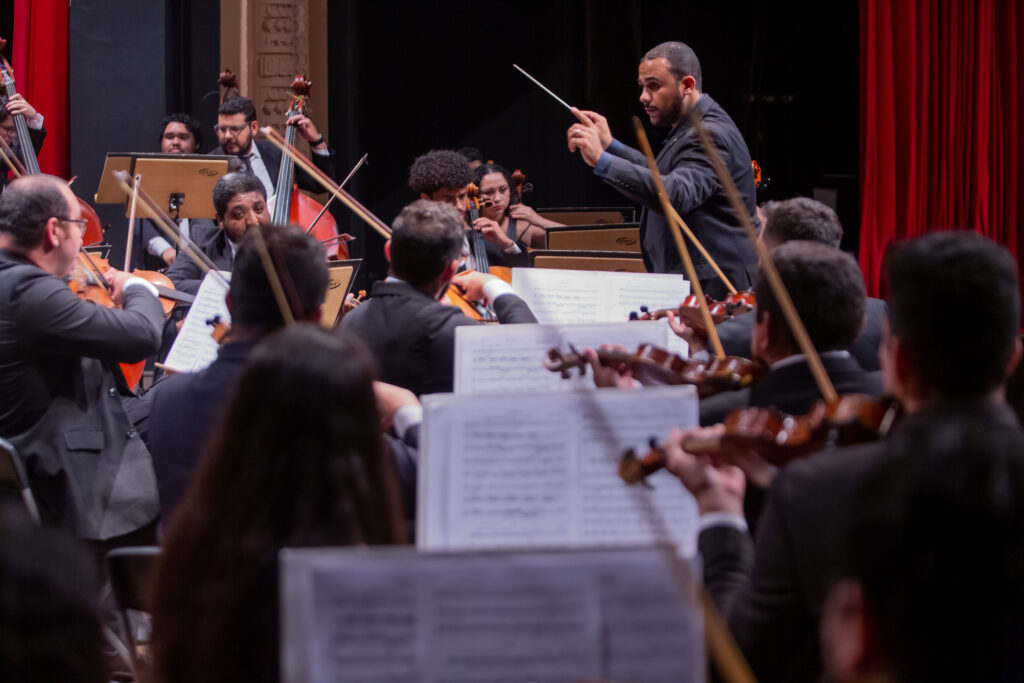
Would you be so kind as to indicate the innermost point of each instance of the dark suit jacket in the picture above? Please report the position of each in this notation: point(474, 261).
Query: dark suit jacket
point(792, 389)
point(413, 335)
point(186, 409)
point(201, 231)
point(62, 406)
point(772, 592)
point(272, 160)
point(186, 276)
point(694, 191)
point(735, 334)
point(36, 135)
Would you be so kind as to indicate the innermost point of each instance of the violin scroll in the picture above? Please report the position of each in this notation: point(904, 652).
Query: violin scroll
point(300, 86)
point(556, 361)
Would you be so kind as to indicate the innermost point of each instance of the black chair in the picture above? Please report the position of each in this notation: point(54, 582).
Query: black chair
point(130, 568)
point(12, 476)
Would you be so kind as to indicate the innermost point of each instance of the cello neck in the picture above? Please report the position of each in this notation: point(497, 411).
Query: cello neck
point(285, 179)
point(28, 152)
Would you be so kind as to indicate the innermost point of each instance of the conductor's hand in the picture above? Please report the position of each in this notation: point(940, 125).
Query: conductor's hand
point(592, 118)
point(695, 339)
point(492, 232)
point(471, 284)
point(586, 139)
point(716, 488)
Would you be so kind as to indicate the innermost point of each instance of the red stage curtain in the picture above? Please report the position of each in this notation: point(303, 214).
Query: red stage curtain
point(41, 73)
point(942, 100)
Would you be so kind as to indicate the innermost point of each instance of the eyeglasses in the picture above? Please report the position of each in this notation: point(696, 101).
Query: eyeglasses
point(230, 130)
point(82, 222)
point(496, 191)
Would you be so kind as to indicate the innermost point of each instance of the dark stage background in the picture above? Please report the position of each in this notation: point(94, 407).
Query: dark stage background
point(408, 77)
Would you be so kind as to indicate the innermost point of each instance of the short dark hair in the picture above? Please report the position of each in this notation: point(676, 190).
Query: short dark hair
point(827, 289)
point(27, 204)
point(801, 218)
point(934, 540)
point(231, 185)
point(471, 153)
point(682, 60)
point(438, 169)
point(426, 237)
point(954, 303)
point(299, 261)
point(190, 123)
point(238, 105)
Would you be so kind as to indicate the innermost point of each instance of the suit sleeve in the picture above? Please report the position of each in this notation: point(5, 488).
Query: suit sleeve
point(185, 274)
point(511, 309)
point(52, 319)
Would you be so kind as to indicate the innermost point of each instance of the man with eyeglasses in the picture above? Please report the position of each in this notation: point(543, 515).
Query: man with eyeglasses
point(64, 402)
point(33, 120)
point(236, 131)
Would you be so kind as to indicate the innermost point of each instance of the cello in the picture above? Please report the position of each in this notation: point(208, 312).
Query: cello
point(300, 208)
point(93, 227)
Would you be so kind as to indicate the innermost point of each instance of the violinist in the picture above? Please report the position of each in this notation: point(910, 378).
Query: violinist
point(239, 201)
point(410, 331)
point(800, 218)
point(441, 175)
point(179, 134)
point(943, 368)
point(670, 87)
point(236, 132)
point(33, 120)
point(495, 185)
point(473, 156)
point(64, 408)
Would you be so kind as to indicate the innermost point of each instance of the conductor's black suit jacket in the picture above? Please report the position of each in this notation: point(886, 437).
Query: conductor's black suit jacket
point(60, 399)
point(413, 335)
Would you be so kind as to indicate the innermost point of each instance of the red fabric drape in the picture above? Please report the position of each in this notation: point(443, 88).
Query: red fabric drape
point(942, 100)
point(40, 63)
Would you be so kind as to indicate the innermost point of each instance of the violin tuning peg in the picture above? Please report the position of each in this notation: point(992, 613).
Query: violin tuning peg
point(644, 309)
point(633, 315)
point(652, 442)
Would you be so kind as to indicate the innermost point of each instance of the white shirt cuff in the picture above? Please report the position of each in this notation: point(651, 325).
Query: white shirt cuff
point(139, 282)
point(407, 417)
point(514, 249)
point(36, 123)
point(717, 519)
point(158, 245)
point(321, 152)
point(496, 287)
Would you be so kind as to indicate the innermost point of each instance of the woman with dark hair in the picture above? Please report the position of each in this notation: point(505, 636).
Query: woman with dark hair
point(495, 185)
point(296, 461)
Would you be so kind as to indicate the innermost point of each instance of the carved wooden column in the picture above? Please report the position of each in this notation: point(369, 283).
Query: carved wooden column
point(266, 43)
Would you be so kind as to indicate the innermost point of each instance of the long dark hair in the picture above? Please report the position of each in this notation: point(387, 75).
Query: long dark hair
point(297, 460)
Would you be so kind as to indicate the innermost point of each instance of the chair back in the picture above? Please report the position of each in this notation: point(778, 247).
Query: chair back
point(616, 261)
point(12, 475)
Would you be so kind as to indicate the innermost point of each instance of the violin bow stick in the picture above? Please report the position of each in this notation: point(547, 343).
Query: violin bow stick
point(677, 234)
point(344, 197)
point(11, 159)
point(165, 223)
point(789, 311)
point(95, 269)
point(341, 185)
point(137, 180)
point(700, 247)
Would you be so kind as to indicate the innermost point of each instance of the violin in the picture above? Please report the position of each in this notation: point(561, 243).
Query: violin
point(776, 437)
point(93, 228)
point(652, 365)
point(300, 208)
point(736, 303)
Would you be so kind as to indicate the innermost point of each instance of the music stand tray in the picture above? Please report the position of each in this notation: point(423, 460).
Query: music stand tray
point(181, 182)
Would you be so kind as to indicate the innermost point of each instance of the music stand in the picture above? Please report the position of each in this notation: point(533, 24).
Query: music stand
point(181, 182)
point(109, 191)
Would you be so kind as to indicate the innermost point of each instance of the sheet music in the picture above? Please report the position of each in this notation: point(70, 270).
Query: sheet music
point(491, 359)
point(194, 348)
point(509, 471)
point(387, 614)
point(580, 296)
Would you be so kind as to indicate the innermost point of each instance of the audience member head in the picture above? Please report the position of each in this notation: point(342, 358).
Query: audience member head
point(827, 289)
point(236, 125)
point(495, 185)
point(441, 176)
point(50, 624)
point(954, 317)
point(41, 219)
point(180, 134)
point(931, 584)
point(800, 218)
point(473, 156)
point(239, 201)
point(299, 262)
point(670, 82)
point(426, 245)
point(297, 460)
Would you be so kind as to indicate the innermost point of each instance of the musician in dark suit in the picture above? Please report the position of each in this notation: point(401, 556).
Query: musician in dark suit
point(236, 132)
point(772, 592)
point(36, 132)
point(239, 202)
point(441, 175)
point(409, 330)
point(186, 407)
point(671, 87)
point(63, 396)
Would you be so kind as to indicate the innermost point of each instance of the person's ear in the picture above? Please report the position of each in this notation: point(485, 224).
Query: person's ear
point(687, 84)
point(317, 315)
point(1011, 367)
point(451, 269)
point(424, 195)
point(387, 250)
point(51, 236)
point(254, 127)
